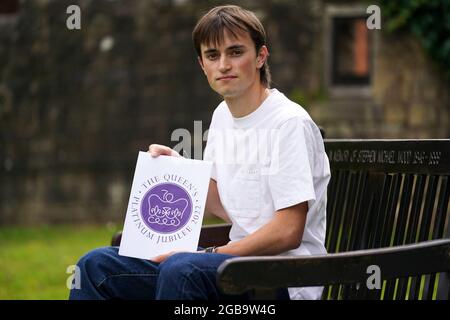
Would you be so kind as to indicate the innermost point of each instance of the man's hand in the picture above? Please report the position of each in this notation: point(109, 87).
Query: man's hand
point(162, 257)
point(157, 150)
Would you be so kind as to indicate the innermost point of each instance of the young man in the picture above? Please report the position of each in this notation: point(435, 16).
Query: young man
point(270, 176)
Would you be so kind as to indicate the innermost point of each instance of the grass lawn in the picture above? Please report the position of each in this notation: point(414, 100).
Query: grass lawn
point(33, 261)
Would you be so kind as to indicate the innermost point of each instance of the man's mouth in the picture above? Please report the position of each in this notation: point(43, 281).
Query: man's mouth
point(226, 78)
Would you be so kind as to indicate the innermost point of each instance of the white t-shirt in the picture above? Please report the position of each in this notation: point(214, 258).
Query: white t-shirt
point(268, 160)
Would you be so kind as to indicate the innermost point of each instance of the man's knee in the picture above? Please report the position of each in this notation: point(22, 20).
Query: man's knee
point(179, 263)
point(96, 259)
point(184, 265)
point(185, 276)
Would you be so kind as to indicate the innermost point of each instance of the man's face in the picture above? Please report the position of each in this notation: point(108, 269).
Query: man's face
point(232, 68)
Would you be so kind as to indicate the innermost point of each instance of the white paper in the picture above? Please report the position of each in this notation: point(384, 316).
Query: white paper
point(166, 206)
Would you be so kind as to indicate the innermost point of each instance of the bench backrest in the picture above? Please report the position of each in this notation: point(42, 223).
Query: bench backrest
point(384, 193)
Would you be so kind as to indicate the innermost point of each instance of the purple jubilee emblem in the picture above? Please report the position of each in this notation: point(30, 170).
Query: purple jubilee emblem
point(166, 208)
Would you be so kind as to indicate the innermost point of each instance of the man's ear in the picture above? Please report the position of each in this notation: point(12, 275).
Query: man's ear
point(200, 62)
point(262, 56)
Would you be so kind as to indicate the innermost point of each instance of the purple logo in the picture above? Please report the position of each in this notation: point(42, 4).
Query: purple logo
point(166, 208)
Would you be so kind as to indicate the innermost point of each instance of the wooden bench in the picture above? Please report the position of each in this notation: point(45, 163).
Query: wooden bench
point(387, 213)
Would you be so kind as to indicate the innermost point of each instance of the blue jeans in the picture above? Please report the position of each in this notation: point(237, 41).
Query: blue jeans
point(104, 274)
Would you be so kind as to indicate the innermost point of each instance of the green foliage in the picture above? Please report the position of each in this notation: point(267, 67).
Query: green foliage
point(34, 261)
point(429, 20)
point(304, 98)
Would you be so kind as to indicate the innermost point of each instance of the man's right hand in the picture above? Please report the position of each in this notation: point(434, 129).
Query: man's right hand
point(157, 150)
point(213, 203)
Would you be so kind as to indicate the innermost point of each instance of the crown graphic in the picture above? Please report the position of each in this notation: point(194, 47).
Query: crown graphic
point(165, 211)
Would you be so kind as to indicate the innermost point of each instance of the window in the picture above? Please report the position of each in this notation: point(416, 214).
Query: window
point(349, 48)
point(350, 51)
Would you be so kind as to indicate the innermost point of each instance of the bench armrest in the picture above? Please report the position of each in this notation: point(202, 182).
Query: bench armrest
point(238, 275)
point(214, 235)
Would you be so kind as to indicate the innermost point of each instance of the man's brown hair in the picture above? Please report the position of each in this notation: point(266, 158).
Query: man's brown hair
point(210, 30)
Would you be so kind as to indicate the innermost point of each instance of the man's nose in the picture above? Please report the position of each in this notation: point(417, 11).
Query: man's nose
point(224, 64)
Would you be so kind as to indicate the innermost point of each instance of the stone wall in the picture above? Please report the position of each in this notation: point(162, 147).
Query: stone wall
point(411, 90)
point(77, 105)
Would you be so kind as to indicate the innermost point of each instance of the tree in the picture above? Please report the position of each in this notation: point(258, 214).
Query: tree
point(429, 20)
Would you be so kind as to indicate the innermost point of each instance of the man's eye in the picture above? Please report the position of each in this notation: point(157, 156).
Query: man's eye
point(237, 52)
point(212, 56)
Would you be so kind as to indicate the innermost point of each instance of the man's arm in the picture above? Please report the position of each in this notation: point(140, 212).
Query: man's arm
point(213, 203)
point(284, 232)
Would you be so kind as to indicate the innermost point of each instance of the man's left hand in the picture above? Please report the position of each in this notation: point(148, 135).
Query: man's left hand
point(163, 257)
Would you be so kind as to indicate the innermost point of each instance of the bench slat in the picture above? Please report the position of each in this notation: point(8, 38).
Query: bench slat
point(399, 237)
point(389, 228)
